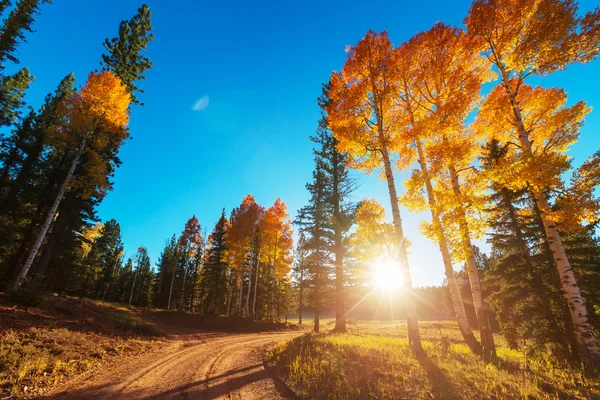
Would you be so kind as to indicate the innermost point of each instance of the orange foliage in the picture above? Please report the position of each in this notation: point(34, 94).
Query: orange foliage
point(277, 242)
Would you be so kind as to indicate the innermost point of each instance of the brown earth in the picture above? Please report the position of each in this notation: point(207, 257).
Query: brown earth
point(193, 366)
point(198, 358)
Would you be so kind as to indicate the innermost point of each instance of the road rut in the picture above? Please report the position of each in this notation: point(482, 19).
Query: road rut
point(199, 366)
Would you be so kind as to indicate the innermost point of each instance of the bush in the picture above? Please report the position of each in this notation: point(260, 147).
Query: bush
point(27, 296)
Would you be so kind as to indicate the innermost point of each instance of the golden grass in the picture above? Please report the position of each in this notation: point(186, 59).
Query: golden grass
point(34, 358)
point(373, 361)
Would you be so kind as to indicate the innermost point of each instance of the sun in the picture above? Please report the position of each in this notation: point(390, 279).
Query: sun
point(386, 274)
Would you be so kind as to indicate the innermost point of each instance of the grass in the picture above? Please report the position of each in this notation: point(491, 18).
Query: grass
point(373, 361)
point(43, 346)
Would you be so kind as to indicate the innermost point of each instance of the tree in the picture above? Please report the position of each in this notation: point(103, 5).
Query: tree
point(276, 231)
point(187, 248)
point(244, 222)
point(214, 276)
point(124, 53)
point(141, 285)
point(538, 38)
point(550, 128)
point(312, 220)
point(98, 113)
point(523, 287)
point(13, 28)
point(300, 272)
point(339, 187)
point(362, 118)
point(12, 92)
point(167, 264)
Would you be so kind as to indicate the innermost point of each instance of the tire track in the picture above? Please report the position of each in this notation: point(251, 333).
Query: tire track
point(221, 367)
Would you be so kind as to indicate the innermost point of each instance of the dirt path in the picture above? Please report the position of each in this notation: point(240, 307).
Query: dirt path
point(198, 366)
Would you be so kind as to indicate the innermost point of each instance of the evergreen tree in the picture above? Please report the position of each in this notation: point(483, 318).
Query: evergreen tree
point(312, 220)
point(523, 282)
point(166, 272)
point(124, 53)
point(339, 187)
point(215, 271)
point(141, 285)
point(12, 92)
point(300, 273)
point(19, 20)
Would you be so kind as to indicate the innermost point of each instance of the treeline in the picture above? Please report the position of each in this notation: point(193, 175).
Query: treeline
point(241, 269)
point(56, 163)
point(397, 108)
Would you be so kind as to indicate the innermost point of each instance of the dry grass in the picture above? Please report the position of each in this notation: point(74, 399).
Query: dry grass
point(373, 361)
point(40, 347)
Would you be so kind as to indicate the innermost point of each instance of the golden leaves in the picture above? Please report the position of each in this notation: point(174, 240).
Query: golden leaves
point(374, 237)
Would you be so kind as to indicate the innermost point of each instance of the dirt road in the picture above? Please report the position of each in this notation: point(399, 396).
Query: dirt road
point(192, 366)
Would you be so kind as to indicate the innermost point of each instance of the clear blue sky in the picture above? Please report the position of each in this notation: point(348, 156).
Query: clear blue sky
point(261, 64)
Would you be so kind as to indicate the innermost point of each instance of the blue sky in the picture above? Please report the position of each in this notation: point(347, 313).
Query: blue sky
point(260, 65)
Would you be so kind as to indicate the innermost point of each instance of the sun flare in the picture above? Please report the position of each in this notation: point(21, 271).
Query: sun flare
point(386, 274)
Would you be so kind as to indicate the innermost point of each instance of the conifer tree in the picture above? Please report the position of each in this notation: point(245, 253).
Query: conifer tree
point(311, 220)
point(340, 208)
point(214, 275)
point(124, 53)
point(19, 20)
point(300, 272)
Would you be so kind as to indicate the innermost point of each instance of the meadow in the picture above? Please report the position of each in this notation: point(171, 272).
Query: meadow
point(373, 361)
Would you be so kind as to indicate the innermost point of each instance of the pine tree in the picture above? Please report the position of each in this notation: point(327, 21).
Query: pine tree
point(214, 275)
point(12, 92)
point(124, 53)
point(524, 288)
point(312, 220)
point(339, 189)
point(19, 21)
point(300, 272)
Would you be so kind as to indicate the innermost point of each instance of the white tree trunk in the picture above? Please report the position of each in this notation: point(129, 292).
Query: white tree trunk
point(256, 286)
point(247, 311)
point(457, 303)
point(49, 217)
point(588, 344)
point(486, 337)
point(414, 336)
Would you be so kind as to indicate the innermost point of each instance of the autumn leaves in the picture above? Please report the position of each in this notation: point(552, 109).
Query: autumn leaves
point(408, 106)
point(259, 246)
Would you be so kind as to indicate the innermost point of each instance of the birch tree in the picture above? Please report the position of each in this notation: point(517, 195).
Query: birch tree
point(524, 38)
point(98, 113)
point(362, 116)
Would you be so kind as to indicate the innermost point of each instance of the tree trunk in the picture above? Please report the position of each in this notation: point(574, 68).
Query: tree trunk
point(588, 345)
point(273, 280)
point(414, 337)
point(171, 289)
point(256, 285)
point(340, 298)
point(247, 309)
point(486, 337)
point(457, 303)
point(181, 301)
point(49, 217)
point(132, 286)
point(300, 305)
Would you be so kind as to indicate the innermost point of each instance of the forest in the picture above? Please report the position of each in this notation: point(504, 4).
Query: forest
point(463, 110)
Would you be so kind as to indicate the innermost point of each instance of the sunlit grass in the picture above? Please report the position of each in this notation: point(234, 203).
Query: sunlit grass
point(34, 358)
point(373, 361)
